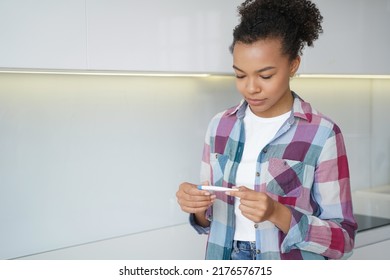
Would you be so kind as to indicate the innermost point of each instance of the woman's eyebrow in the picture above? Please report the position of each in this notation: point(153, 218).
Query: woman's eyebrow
point(257, 71)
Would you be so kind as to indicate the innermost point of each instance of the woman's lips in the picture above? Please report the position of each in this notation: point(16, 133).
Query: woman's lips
point(256, 102)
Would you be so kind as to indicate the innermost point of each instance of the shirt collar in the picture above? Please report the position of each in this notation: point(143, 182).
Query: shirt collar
point(239, 109)
point(301, 109)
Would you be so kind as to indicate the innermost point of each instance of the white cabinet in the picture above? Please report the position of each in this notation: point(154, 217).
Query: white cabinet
point(356, 39)
point(133, 35)
point(174, 35)
point(373, 244)
point(42, 34)
point(376, 251)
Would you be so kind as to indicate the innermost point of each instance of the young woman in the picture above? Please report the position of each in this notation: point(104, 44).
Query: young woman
point(287, 160)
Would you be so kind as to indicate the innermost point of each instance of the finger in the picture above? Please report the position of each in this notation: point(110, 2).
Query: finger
point(194, 210)
point(253, 204)
point(195, 206)
point(186, 197)
point(235, 192)
point(252, 212)
point(191, 189)
point(244, 193)
point(196, 194)
point(252, 208)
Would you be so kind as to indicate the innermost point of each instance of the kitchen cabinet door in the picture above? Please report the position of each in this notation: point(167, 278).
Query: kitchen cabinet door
point(356, 39)
point(169, 35)
point(376, 251)
point(177, 36)
point(42, 34)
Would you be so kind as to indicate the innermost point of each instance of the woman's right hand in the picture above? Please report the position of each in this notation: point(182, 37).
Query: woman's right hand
point(192, 200)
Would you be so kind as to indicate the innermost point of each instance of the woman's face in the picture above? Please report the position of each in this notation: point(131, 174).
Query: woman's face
point(263, 76)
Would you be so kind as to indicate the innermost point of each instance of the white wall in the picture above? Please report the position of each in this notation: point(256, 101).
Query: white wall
point(67, 174)
point(380, 132)
point(86, 158)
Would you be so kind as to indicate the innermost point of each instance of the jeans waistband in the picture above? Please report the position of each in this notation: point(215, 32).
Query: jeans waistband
point(244, 245)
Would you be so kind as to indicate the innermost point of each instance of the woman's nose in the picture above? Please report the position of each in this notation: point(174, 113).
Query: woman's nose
point(252, 86)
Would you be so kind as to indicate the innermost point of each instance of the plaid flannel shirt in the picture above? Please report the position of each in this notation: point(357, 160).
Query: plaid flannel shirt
point(304, 167)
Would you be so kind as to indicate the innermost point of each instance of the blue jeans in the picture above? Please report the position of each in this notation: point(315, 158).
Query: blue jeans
point(243, 250)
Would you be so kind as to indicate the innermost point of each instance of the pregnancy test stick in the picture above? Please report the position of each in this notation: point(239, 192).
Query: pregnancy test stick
point(216, 189)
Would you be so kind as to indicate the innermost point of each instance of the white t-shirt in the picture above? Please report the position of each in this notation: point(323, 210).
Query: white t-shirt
point(258, 133)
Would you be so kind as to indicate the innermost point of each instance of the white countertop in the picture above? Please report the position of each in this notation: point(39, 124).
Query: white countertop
point(372, 202)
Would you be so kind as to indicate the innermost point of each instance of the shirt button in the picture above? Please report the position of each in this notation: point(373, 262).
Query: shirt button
point(265, 150)
point(258, 251)
point(257, 174)
point(216, 156)
point(256, 225)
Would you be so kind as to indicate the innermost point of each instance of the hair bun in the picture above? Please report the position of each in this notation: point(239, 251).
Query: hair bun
point(293, 20)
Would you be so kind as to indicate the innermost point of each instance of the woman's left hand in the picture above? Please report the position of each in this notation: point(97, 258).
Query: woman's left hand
point(256, 206)
point(259, 207)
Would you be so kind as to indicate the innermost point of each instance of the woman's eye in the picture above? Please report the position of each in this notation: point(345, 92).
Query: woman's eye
point(263, 77)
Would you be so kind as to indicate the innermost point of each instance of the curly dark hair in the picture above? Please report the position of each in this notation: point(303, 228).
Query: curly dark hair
point(295, 22)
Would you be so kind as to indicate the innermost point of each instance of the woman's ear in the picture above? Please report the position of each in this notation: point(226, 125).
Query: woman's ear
point(294, 65)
